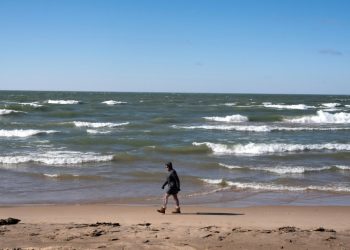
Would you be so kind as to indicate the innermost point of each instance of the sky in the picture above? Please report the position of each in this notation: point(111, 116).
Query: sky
point(213, 46)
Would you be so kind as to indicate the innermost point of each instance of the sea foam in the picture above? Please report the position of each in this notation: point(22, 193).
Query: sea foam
point(94, 131)
point(277, 187)
point(8, 111)
point(289, 169)
point(24, 132)
point(56, 158)
point(229, 118)
point(259, 128)
point(99, 124)
point(63, 102)
point(331, 105)
point(285, 106)
point(322, 117)
point(264, 148)
point(112, 102)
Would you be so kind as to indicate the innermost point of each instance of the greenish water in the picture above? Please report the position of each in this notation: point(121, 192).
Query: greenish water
point(236, 149)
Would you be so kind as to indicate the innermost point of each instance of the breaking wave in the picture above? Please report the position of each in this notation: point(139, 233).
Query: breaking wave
point(290, 170)
point(8, 111)
point(24, 132)
point(229, 118)
point(112, 102)
point(264, 148)
point(56, 158)
point(285, 106)
point(99, 124)
point(261, 128)
point(322, 117)
point(63, 102)
point(331, 105)
point(94, 131)
point(276, 187)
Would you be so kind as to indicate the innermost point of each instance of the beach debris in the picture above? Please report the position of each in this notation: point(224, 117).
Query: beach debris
point(146, 241)
point(97, 233)
point(144, 224)
point(221, 238)
point(287, 229)
point(9, 221)
point(104, 224)
point(266, 231)
point(321, 229)
point(114, 239)
point(207, 236)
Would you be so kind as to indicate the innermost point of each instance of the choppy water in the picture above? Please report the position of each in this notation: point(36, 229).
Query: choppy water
point(227, 148)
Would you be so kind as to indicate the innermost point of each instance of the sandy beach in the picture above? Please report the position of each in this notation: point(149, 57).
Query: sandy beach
point(98, 226)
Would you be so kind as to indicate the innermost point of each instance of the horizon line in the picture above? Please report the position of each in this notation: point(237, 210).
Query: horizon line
point(172, 92)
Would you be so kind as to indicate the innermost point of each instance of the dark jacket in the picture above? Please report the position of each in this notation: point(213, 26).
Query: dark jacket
point(173, 182)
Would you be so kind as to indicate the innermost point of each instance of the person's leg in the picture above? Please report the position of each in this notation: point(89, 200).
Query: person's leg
point(176, 200)
point(165, 200)
point(177, 209)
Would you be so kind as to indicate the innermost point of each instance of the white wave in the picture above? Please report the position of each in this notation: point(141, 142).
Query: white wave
point(8, 111)
point(99, 124)
point(213, 181)
point(51, 175)
point(33, 104)
point(285, 106)
point(277, 187)
point(261, 128)
point(230, 104)
point(63, 102)
point(230, 166)
point(322, 117)
point(94, 131)
point(229, 118)
point(112, 102)
point(56, 158)
point(264, 148)
point(24, 132)
point(331, 109)
point(288, 170)
point(227, 127)
point(341, 167)
point(348, 106)
point(331, 105)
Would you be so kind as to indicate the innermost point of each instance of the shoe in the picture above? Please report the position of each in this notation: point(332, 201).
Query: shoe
point(161, 210)
point(177, 211)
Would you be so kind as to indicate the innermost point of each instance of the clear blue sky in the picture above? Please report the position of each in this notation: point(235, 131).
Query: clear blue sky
point(246, 46)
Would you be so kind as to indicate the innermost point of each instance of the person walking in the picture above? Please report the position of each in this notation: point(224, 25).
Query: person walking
point(173, 183)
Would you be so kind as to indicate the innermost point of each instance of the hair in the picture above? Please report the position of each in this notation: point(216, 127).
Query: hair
point(169, 165)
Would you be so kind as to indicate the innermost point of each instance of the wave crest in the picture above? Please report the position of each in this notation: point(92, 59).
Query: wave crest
point(112, 102)
point(9, 111)
point(285, 106)
point(277, 187)
point(56, 158)
point(322, 117)
point(99, 124)
point(229, 118)
point(63, 102)
point(264, 148)
point(24, 132)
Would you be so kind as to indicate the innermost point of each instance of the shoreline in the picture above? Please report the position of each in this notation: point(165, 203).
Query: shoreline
point(131, 226)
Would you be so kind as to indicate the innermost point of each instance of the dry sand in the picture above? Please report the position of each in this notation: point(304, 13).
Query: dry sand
point(105, 226)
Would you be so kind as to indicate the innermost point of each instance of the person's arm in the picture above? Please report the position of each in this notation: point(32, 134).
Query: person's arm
point(177, 180)
point(165, 183)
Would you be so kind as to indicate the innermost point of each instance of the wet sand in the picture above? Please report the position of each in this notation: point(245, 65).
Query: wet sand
point(102, 226)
